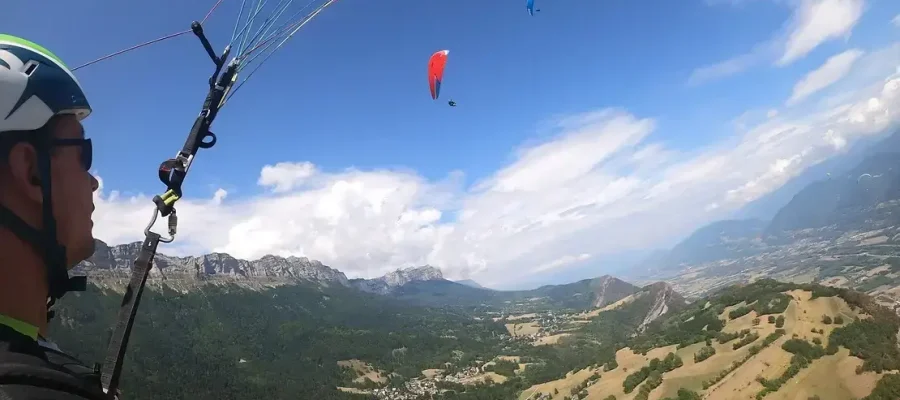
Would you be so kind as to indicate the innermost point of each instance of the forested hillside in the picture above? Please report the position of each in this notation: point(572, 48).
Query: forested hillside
point(580, 295)
point(764, 340)
point(228, 342)
point(302, 340)
point(308, 341)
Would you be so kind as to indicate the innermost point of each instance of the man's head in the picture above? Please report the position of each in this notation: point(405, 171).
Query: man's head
point(45, 187)
point(71, 183)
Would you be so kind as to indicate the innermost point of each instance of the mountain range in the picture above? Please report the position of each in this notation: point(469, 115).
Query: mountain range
point(253, 324)
point(470, 283)
point(863, 197)
point(767, 206)
point(110, 268)
point(318, 338)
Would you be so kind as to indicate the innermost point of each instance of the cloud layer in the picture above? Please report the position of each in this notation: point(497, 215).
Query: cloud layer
point(820, 78)
point(817, 21)
point(812, 23)
point(598, 186)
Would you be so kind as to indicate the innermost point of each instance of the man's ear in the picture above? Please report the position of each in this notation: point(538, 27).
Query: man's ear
point(24, 174)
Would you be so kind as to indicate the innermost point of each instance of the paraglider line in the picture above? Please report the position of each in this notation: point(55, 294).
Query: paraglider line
point(271, 40)
point(137, 46)
point(291, 27)
point(234, 30)
point(248, 25)
point(284, 27)
point(211, 11)
point(269, 21)
point(294, 31)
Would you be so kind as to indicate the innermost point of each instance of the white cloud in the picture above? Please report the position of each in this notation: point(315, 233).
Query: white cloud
point(731, 66)
point(817, 21)
point(896, 20)
point(355, 220)
point(560, 262)
point(283, 177)
point(812, 23)
point(600, 186)
point(582, 148)
point(830, 72)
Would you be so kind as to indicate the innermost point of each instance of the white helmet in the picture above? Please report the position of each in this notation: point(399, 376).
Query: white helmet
point(35, 86)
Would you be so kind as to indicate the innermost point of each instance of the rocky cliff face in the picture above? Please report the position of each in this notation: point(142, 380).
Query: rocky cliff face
point(393, 280)
point(110, 266)
point(608, 289)
point(665, 299)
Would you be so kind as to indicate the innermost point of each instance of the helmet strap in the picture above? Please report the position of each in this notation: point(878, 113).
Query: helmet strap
point(58, 281)
point(45, 241)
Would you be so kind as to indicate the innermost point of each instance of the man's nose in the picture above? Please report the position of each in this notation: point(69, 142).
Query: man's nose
point(95, 184)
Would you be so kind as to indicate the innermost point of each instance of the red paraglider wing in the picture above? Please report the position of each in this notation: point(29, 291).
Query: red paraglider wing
point(436, 72)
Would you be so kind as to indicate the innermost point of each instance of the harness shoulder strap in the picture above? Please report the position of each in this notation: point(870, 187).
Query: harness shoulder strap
point(29, 371)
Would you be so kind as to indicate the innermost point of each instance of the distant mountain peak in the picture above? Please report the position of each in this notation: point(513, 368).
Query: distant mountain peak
point(470, 283)
point(110, 266)
point(401, 277)
point(392, 280)
point(606, 285)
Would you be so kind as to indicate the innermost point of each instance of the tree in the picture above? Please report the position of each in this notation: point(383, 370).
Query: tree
point(611, 365)
point(704, 353)
point(771, 319)
point(779, 322)
point(826, 320)
point(887, 388)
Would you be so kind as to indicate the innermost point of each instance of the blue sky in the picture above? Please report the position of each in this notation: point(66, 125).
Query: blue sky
point(381, 176)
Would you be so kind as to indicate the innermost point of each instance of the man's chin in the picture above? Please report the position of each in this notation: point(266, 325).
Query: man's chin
point(82, 252)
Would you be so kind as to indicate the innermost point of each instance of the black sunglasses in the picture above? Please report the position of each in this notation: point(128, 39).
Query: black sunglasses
point(87, 149)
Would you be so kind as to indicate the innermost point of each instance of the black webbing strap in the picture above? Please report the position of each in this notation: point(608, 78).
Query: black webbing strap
point(19, 227)
point(35, 238)
point(54, 254)
point(112, 367)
